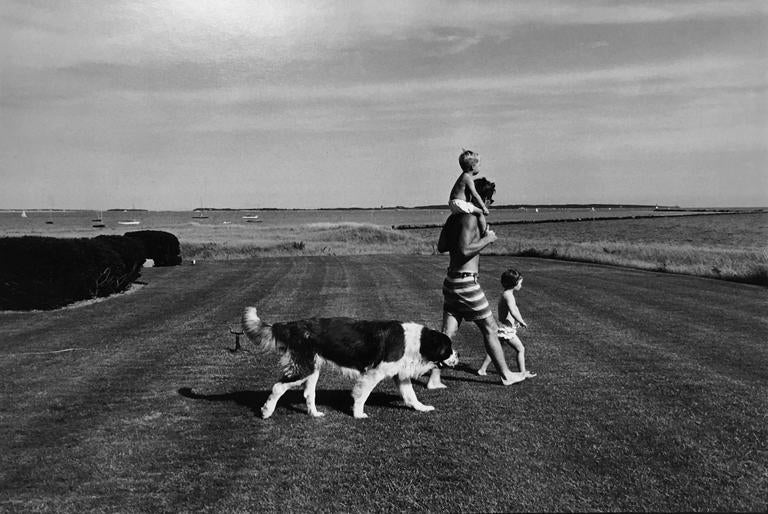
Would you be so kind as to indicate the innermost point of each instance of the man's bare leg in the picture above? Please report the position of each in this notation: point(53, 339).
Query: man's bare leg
point(450, 327)
point(493, 347)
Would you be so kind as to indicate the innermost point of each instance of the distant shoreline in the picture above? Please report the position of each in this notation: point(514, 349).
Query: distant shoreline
point(681, 213)
point(521, 207)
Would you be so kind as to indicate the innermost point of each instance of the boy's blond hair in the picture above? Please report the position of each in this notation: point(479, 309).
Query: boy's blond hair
point(468, 160)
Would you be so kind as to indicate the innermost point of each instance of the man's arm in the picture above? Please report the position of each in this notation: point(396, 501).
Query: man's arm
point(467, 243)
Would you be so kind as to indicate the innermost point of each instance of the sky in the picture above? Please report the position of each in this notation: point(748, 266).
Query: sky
point(313, 104)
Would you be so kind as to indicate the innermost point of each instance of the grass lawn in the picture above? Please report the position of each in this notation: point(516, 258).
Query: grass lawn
point(652, 394)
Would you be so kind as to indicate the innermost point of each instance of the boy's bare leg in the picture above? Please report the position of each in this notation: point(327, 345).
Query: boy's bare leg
point(482, 224)
point(450, 327)
point(515, 343)
point(492, 346)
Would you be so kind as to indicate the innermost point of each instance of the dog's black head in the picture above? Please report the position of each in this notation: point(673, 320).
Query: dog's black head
point(436, 347)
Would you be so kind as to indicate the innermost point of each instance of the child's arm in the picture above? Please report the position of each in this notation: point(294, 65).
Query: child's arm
point(514, 312)
point(470, 184)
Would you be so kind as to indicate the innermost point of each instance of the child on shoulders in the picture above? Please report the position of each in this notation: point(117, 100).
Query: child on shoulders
point(464, 192)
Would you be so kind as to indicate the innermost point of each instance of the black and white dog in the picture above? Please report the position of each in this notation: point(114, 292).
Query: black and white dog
point(367, 350)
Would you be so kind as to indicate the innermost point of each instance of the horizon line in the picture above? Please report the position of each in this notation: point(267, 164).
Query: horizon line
point(394, 207)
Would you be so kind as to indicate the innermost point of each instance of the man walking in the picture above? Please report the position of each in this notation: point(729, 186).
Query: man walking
point(463, 298)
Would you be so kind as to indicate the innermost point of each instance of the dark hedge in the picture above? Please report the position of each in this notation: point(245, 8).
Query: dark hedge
point(162, 247)
point(131, 251)
point(48, 272)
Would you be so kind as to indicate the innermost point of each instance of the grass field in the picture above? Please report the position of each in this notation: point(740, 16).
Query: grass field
point(652, 394)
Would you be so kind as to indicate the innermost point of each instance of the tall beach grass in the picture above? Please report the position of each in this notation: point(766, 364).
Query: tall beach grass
point(748, 265)
point(309, 239)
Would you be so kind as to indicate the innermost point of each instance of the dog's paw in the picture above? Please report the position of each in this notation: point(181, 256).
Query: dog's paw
point(266, 411)
point(317, 414)
point(360, 415)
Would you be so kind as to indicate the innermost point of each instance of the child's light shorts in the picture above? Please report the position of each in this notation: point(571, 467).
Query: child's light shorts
point(506, 332)
point(461, 206)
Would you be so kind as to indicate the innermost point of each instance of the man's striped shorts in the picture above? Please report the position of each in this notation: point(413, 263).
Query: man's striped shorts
point(464, 298)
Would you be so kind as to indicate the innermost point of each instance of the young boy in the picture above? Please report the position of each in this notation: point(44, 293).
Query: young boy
point(464, 191)
point(509, 319)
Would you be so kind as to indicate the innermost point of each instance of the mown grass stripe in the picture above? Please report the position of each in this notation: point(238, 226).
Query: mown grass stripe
point(603, 427)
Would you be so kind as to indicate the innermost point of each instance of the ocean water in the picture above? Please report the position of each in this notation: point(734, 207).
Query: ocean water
point(11, 222)
point(736, 230)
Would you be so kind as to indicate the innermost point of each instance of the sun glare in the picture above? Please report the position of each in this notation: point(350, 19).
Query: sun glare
point(262, 18)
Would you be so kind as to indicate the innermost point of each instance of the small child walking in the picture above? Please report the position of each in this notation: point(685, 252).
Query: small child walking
point(509, 319)
point(463, 191)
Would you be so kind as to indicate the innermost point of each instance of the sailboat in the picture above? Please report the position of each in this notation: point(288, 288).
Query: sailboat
point(23, 213)
point(99, 222)
point(200, 214)
point(133, 221)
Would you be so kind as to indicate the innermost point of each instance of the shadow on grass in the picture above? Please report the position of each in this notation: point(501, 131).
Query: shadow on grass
point(337, 399)
point(253, 400)
point(461, 367)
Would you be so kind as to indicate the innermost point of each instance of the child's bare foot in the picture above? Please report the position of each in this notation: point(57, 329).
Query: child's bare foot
point(513, 378)
point(482, 372)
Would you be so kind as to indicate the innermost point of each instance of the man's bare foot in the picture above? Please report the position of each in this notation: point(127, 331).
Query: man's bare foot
point(513, 378)
point(482, 372)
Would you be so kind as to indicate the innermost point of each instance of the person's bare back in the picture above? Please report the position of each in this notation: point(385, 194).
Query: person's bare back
point(460, 191)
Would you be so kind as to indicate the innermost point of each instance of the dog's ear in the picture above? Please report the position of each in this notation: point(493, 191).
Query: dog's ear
point(435, 346)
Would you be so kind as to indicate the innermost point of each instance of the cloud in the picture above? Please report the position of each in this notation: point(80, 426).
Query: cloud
point(660, 78)
point(193, 85)
point(65, 33)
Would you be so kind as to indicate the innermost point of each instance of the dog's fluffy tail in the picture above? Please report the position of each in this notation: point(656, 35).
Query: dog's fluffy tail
point(258, 331)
